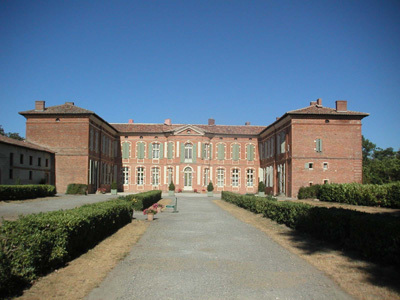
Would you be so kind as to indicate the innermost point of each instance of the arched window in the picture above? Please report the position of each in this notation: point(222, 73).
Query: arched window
point(155, 176)
point(188, 152)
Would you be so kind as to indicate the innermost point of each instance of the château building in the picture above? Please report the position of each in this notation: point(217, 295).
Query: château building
point(312, 145)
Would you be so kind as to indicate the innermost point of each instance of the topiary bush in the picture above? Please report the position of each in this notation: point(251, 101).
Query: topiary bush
point(77, 189)
point(38, 243)
point(21, 192)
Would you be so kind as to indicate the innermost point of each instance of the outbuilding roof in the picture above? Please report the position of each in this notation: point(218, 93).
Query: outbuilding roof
point(24, 144)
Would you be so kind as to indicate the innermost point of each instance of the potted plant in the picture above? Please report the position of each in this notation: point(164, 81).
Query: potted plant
point(158, 207)
point(114, 188)
point(150, 212)
point(261, 189)
point(210, 189)
point(171, 189)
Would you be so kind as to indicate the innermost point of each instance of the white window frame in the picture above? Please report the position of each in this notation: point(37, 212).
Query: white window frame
point(207, 151)
point(220, 177)
point(156, 151)
point(235, 177)
point(140, 176)
point(206, 176)
point(250, 177)
point(155, 176)
point(170, 172)
point(125, 175)
point(188, 152)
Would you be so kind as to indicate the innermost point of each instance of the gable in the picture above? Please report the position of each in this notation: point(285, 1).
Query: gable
point(189, 130)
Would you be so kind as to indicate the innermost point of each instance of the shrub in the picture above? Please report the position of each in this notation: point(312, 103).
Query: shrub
point(142, 200)
point(210, 187)
point(261, 187)
point(38, 243)
point(387, 195)
point(374, 237)
point(171, 186)
point(21, 192)
point(77, 189)
point(114, 185)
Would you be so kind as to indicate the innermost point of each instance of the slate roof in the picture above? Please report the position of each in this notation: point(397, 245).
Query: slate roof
point(24, 144)
point(213, 129)
point(59, 110)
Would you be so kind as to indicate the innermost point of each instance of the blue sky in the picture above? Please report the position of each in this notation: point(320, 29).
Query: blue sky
point(234, 61)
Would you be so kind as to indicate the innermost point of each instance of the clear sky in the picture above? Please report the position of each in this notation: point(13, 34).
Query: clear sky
point(234, 61)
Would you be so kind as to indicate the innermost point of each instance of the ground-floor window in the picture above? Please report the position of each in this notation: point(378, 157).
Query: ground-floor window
point(235, 177)
point(206, 177)
point(155, 176)
point(170, 175)
point(220, 177)
point(125, 175)
point(140, 176)
point(250, 177)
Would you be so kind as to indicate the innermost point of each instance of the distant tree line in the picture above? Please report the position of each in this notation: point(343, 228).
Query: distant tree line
point(13, 135)
point(380, 165)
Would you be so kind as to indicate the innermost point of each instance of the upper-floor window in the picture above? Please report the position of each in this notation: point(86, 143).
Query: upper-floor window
point(11, 159)
point(21, 159)
point(47, 162)
point(39, 161)
point(188, 152)
point(30, 160)
point(206, 151)
point(156, 151)
point(318, 145)
point(170, 174)
point(281, 142)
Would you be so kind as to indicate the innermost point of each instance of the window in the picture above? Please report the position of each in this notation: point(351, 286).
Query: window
point(11, 174)
point(220, 177)
point(47, 162)
point(206, 151)
point(21, 159)
point(318, 145)
point(309, 165)
point(91, 139)
point(250, 177)
point(310, 183)
point(206, 177)
point(235, 177)
point(140, 176)
point(30, 175)
point(39, 161)
point(326, 181)
point(155, 176)
point(281, 142)
point(188, 152)
point(235, 152)
point(170, 175)
point(140, 150)
point(30, 160)
point(325, 166)
point(125, 175)
point(156, 151)
point(11, 159)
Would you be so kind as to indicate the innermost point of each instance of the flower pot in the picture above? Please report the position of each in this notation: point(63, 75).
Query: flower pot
point(158, 209)
point(171, 193)
point(210, 194)
point(114, 192)
point(150, 217)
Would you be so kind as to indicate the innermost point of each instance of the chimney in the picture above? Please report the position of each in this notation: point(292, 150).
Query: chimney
point(319, 102)
point(40, 105)
point(130, 121)
point(277, 118)
point(70, 103)
point(167, 122)
point(341, 105)
point(313, 103)
point(247, 123)
point(211, 122)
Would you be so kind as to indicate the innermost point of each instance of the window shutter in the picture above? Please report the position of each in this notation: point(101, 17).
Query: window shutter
point(194, 153)
point(319, 145)
point(182, 152)
point(161, 151)
point(203, 149)
point(250, 152)
point(306, 166)
point(150, 150)
point(125, 150)
point(140, 150)
point(211, 151)
point(235, 152)
point(169, 151)
point(221, 152)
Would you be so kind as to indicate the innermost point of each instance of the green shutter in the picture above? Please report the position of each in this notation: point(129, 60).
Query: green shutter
point(250, 152)
point(140, 150)
point(235, 152)
point(182, 153)
point(319, 145)
point(125, 150)
point(161, 150)
point(150, 150)
point(221, 152)
point(194, 153)
point(169, 150)
point(211, 151)
point(203, 149)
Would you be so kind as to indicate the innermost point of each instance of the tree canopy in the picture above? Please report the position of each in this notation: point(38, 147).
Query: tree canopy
point(380, 165)
point(13, 135)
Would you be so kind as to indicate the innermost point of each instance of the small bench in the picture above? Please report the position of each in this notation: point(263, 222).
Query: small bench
point(174, 206)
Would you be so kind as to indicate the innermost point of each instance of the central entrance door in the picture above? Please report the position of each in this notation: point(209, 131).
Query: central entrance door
point(188, 179)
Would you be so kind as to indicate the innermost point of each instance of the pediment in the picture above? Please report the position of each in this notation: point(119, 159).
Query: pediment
point(189, 130)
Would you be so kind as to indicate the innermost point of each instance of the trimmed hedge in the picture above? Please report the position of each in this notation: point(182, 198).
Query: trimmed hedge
point(21, 192)
point(374, 237)
point(36, 244)
point(386, 195)
point(143, 200)
point(77, 189)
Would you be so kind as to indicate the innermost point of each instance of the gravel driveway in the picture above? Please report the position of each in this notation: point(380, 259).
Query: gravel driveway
point(12, 209)
point(203, 252)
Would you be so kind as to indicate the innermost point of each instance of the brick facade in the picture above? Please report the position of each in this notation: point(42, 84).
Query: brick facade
point(312, 145)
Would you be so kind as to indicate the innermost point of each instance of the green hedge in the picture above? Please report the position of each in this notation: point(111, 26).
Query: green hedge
point(375, 237)
point(21, 192)
point(386, 195)
point(143, 200)
point(36, 244)
point(77, 189)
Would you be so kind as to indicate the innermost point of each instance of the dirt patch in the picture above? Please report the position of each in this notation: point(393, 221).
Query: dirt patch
point(361, 279)
point(80, 276)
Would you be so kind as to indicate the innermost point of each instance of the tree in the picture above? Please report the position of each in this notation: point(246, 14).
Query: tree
point(13, 135)
point(2, 131)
